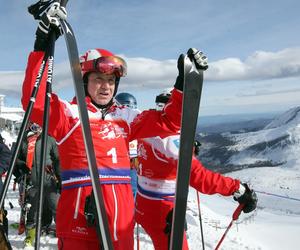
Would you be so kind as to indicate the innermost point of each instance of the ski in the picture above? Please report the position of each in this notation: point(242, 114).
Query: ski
point(84, 120)
point(22, 186)
point(193, 82)
point(48, 230)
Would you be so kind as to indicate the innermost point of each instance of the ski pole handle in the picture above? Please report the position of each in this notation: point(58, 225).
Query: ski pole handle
point(237, 211)
point(235, 216)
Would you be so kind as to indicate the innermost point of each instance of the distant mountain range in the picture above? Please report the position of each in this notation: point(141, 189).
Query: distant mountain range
point(260, 142)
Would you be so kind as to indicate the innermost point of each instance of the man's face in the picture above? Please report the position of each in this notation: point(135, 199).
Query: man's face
point(101, 87)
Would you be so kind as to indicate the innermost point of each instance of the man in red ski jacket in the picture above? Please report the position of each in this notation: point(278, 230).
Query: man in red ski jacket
point(112, 128)
point(157, 169)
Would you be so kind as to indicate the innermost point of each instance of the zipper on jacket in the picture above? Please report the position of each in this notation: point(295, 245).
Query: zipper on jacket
point(116, 213)
point(104, 112)
point(77, 203)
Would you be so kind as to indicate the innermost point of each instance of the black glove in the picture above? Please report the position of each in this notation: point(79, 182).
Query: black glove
point(168, 228)
point(39, 8)
point(249, 199)
point(20, 170)
point(90, 210)
point(197, 146)
point(169, 218)
point(199, 59)
point(180, 66)
point(49, 13)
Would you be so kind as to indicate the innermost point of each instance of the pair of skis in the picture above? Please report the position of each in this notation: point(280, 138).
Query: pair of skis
point(193, 83)
point(191, 101)
point(192, 94)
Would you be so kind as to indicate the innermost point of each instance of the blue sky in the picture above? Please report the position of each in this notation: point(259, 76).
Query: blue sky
point(253, 48)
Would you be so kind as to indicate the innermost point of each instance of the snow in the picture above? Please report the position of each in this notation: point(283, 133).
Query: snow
point(8, 138)
point(273, 226)
point(47, 242)
point(290, 118)
point(11, 110)
point(11, 117)
point(285, 129)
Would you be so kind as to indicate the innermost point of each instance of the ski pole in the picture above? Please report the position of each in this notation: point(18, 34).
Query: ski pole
point(21, 227)
point(235, 216)
point(200, 220)
point(137, 237)
point(50, 52)
point(277, 195)
point(16, 148)
point(44, 139)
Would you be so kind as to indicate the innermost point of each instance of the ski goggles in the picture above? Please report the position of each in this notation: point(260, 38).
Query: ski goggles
point(129, 105)
point(35, 128)
point(106, 65)
point(160, 106)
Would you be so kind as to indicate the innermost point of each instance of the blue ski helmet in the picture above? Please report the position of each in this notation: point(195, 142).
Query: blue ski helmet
point(126, 99)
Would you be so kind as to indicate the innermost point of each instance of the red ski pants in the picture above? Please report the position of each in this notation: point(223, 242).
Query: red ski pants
point(151, 215)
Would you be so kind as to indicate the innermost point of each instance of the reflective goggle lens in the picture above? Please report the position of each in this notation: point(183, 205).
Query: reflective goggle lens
point(35, 128)
point(106, 65)
point(130, 105)
point(160, 106)
point(111, 65)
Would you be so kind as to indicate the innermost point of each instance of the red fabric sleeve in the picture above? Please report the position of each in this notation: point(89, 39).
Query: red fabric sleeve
point(57, 117)
point(153, 123)
point(209, 182)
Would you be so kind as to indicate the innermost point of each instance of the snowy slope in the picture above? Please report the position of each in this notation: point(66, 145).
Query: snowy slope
point(273, 226)
point(277, 143)
point(47, 242)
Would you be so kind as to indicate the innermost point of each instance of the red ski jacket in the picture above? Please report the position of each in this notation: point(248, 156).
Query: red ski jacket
point(111, 133)
point(158, 157)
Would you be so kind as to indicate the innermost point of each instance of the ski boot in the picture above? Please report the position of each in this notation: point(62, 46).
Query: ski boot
point(30, 237)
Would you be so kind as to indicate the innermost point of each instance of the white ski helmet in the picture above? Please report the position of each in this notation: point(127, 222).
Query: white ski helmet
point(103, 61)
point(163, 98)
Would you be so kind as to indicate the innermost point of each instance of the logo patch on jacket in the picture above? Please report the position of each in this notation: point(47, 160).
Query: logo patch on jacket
point(176, 142)
point(111, 131)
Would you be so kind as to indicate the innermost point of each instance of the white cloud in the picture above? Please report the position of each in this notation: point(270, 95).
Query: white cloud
point(11, 82)
point(148, 73)
point(259, 66)
point(154, 74)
